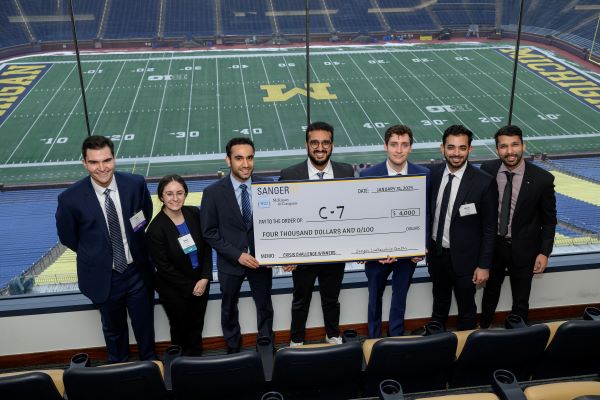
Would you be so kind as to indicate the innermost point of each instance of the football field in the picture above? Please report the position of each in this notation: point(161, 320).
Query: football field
point(173, 112)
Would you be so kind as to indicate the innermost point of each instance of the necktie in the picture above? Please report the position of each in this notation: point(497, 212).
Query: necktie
point(506, 200)
point(442, 218)
point(114, 229)
point(320, 174)
point(246, 206)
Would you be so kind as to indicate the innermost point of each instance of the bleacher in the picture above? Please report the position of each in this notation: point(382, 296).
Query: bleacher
point(189, 18)
point(578, 213)
point(132, 19)
point(29, 230)
point(459, 14)
point(353, 16)
point(295, 21)
point(11, 33)
point(588, 167)
point(242, 17)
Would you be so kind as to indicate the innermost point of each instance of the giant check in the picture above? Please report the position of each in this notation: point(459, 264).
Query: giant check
point(339, 220)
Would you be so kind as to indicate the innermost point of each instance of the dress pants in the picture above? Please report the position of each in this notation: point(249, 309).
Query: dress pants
point(330, 283)
point(445, 280)
point(520, 283)
point(186, 320)
point(260, 280)
point(128, 294)
point(377, 275)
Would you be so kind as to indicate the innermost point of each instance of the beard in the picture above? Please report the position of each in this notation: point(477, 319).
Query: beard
point(319, 162)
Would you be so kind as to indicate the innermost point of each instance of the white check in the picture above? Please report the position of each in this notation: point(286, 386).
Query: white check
point(339, 220)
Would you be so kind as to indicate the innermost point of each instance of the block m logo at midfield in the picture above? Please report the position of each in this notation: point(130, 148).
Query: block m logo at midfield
point(318, 91)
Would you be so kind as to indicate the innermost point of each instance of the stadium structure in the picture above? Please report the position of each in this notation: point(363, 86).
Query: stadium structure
point(171, 81)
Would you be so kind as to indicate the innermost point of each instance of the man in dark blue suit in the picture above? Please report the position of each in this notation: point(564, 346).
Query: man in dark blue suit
point(102, 218)
point(464, 215)
point(398, 145)
point(226, 220)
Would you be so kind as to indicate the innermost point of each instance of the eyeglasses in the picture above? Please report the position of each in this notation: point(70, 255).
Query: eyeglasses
point(173, 195)
point(314, 144)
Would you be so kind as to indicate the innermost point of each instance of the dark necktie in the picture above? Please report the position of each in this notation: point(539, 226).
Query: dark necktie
point(114, 229)
point(246, 206)
point(321, 174)
point(442, 218)
point(506, 200)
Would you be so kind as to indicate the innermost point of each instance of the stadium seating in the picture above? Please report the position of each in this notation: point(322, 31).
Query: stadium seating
point(32, 385)
point(189, 18)
point(321, 372)
point(425, 366)
point(481, 352)
point(132, 19)
point(573, 349)
point(563, 390)
point(11, 33)
point(241, 17)
point(230, 376)
point(588, 167)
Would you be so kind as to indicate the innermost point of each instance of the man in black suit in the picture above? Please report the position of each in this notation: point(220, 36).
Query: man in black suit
point(526, 224)
point(102, 218)
point(226, 221)
point(464, 213)
point(319, 146)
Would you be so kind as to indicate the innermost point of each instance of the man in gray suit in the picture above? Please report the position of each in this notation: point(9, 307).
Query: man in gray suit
point(319, 146)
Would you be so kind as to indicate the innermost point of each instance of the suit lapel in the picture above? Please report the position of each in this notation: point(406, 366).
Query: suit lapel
point(230, 199)
point(92, 200)
point(463, 189)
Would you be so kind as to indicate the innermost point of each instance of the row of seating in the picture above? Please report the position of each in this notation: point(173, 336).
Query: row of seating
point(437, 361)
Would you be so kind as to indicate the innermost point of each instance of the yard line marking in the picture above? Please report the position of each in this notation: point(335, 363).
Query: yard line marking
point(106, 101)
point(137, 92)
point(332, 107)
point(375, 89)
point(407, 95)
point(71, 113)
point(433, 94)
point(545, 96)
point(275, 105)
point(490, 77)
point(162, 100)
point(355, 98)
point(39, 115)
point(289, 152)
point(245, 98)
point(294, 83)
point(218, 103)
point(187, 135)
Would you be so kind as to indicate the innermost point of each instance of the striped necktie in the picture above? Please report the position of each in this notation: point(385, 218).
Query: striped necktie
point(116, 238)
point(246, 206)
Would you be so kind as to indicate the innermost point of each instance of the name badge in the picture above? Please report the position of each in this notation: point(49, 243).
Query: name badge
point(187, 243)
point(467, 209)
point(138, 221)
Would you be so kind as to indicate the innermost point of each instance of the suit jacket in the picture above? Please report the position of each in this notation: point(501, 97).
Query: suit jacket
point(300, 171)
point(472, 237)
point(223, 227)
point(534, 217)
point(175, 275)
point(82, 227)
point(413, 169)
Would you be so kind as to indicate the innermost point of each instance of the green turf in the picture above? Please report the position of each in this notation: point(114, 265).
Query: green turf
point(182, 124)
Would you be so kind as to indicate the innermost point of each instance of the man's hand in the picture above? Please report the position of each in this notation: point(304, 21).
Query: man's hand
point(289, 268)
point(480, 275)
point(248, 261)
point(541, 262)
point(200, 287)
point(388, 260)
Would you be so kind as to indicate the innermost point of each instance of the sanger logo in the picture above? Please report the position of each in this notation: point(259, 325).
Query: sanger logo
point(318, 91)
point(15, 82)
point(563, 76)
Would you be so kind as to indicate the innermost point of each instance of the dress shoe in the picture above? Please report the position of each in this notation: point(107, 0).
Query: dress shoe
point(232, 350)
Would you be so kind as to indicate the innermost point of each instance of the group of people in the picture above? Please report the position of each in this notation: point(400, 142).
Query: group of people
point(482, 223)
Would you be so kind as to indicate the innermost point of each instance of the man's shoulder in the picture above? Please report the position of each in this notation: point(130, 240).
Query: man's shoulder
point(419, 169)
point(216, 185)
point(375, 170)
point(344, 168)
point(295, 167)
point(76, 189)
point(491, 165)
point(539, 172)
point(479, 172)
point(129, 177)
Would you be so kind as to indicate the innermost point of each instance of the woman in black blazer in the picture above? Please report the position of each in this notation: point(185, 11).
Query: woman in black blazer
point(183, 263)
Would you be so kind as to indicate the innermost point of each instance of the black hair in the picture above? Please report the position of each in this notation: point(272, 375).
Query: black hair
point(96, 142)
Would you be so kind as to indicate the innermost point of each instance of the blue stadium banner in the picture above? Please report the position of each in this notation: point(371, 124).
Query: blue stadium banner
point(15, 82)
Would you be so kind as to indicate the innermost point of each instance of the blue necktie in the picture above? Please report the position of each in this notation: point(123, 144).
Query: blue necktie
point(246, 206)
point(114, 229)
point(321, 174)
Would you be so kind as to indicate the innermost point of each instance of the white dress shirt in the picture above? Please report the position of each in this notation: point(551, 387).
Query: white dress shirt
point(114, 195)
point(312, 171)
point(392, 172)
point(438, 203)
point(238, 192)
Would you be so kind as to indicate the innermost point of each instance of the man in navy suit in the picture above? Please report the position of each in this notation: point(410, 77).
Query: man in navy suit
point(526, 223)
point(102, 218)
point(319, 146)
point(398, 145)
point(464, 214)
point(226, 221)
